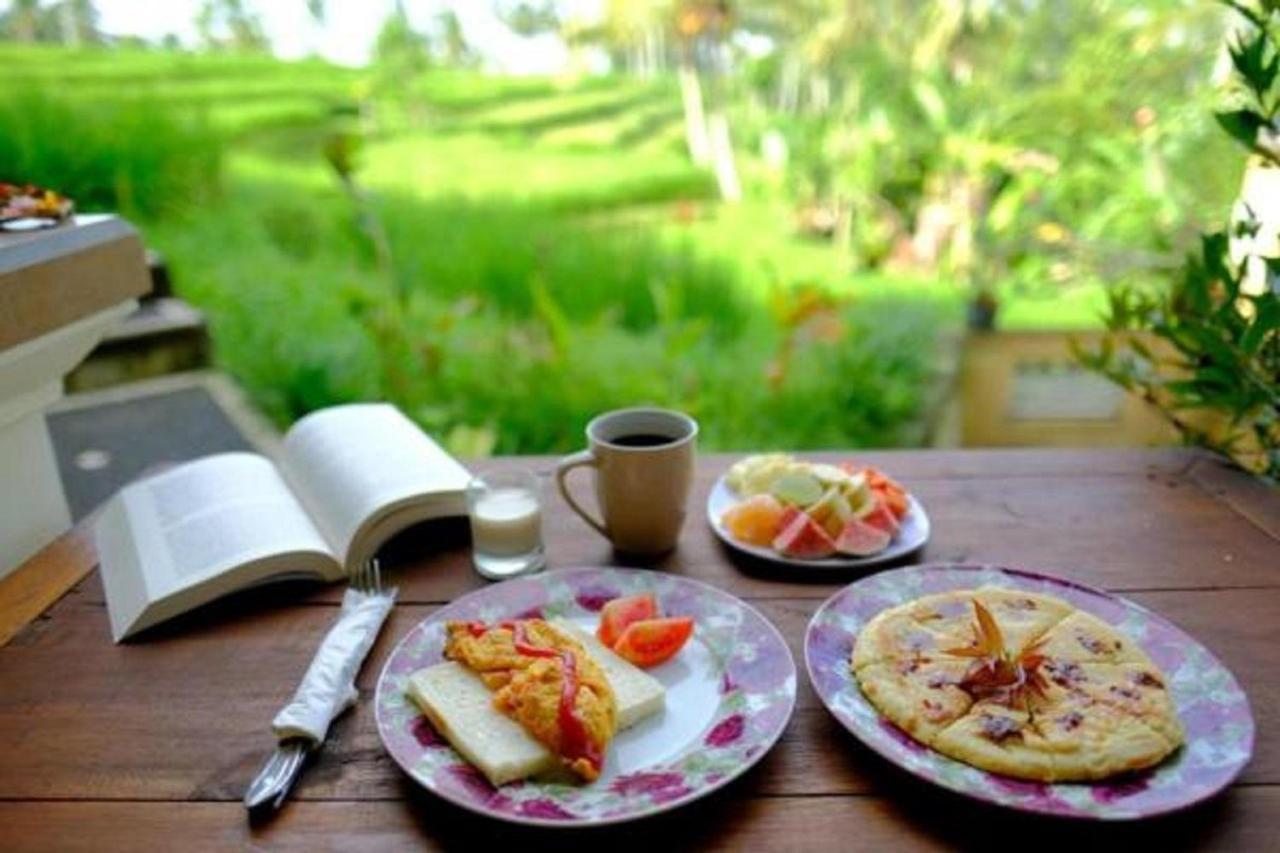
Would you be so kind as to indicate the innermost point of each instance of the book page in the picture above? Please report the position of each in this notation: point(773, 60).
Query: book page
point(351, 465)
point(207, 517)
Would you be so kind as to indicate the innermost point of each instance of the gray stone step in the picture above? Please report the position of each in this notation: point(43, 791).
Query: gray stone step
point(165, 335)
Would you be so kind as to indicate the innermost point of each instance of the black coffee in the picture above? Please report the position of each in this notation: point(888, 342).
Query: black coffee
point(642, 439)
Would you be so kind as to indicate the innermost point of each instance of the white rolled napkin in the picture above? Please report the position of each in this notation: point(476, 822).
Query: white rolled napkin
point(329, 686)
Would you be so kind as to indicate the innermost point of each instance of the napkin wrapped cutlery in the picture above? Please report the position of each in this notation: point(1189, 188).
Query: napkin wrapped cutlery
point(327, 689)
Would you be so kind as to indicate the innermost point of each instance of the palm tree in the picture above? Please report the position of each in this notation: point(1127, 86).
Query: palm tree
point(24, 19)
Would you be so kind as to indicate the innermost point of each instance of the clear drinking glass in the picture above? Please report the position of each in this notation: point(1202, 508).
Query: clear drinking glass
point(506, 524)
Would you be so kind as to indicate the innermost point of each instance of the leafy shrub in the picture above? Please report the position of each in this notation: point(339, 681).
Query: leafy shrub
point(1215, 372)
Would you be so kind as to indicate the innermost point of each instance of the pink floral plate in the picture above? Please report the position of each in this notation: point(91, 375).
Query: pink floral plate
point(1213, 708)
point(730, 693)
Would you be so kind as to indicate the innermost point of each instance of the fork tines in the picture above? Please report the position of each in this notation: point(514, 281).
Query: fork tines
point(367, 577)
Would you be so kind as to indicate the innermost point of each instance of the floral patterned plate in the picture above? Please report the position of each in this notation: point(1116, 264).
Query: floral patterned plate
point(1212, 706)
point(910, 538)
point(730, 692)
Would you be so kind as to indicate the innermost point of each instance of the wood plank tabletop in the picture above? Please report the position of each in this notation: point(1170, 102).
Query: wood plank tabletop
point(150, 744)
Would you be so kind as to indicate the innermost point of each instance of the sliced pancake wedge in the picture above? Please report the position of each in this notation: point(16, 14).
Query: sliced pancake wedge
point(1084, 638)
point(921, 698)
point(999, 738)
point(895, 636)
point(1137, 690)
point(1091, 740)
point(1023, 616)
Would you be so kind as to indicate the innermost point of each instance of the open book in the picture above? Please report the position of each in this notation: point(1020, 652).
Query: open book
point(349, 478)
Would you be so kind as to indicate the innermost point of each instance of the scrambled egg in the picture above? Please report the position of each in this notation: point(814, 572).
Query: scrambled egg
point(531, 689)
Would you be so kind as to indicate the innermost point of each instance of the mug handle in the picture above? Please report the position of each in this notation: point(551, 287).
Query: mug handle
point(583, 458)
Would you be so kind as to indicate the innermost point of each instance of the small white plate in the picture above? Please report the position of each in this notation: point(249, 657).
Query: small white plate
point(911, 536)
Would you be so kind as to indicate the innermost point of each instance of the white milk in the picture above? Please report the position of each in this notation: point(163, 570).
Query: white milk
point(506, 531)
point(506, 522)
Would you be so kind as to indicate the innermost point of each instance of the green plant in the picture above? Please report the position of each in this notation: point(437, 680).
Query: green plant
point(1214, 371)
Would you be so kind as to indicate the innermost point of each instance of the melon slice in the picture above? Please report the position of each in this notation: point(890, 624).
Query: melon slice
point(832, 512)
point(860, 539)
point(804, 539)
point(883, 518)
point(796, 488)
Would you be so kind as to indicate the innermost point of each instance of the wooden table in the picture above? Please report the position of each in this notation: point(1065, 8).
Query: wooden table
point(149, 745)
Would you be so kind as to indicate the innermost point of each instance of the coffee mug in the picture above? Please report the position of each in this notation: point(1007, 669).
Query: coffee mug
point(643, 461)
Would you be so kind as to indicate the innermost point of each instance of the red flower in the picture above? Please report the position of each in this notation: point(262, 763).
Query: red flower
point(544, 809)
point(594, 598)
point(657, 785)
point(726, 731)
point(424, 734)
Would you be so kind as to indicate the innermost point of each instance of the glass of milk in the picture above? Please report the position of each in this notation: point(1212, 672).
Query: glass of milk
point(506, 524)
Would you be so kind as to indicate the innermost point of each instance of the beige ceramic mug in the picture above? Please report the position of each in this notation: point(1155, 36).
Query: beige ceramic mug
point(643, 461)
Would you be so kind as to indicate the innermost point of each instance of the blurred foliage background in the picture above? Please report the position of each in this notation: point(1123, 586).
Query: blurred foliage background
point(775, 215)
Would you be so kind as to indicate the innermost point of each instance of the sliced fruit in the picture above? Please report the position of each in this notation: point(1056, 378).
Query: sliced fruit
point(756, 474)
point(830, 475)
point(797, 488)
point(894, 499)
point(652, 641)
point(804, 539)
point(756, 520)
point(882, 517)
point(856, 491)
point(832, 511)
point(859, 539)
point(789, 514)
point(620, 613)
point(888, 490)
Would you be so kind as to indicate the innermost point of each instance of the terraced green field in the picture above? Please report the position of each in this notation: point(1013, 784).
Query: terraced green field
point(552, 251)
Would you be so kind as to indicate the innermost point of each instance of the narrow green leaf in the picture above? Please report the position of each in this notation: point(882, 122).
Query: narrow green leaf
point(1266, 321)
point(1242, 125)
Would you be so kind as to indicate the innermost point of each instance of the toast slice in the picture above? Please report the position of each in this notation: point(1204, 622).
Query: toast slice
point(637, 693)
point(460, 707)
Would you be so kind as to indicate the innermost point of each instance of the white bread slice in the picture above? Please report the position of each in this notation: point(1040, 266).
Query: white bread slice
point(637, 693)
point(460, 707)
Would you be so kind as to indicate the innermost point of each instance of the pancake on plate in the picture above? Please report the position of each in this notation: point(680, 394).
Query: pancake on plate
point(1017, 683)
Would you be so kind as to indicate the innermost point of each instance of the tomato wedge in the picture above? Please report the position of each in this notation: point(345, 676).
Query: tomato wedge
point(621, 612)
point(649, 642)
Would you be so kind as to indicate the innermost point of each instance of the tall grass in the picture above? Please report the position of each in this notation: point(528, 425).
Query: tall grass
point(117, 155)
point(505, 253)
point(518, 330)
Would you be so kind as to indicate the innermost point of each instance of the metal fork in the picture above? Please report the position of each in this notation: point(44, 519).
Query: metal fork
point(276, 778)
point(368, 577)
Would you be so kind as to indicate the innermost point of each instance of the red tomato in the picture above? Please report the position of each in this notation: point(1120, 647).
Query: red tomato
point(652, 641)
point(621, 612)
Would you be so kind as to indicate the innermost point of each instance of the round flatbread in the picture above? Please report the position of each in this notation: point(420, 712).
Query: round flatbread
point(1031, 687)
